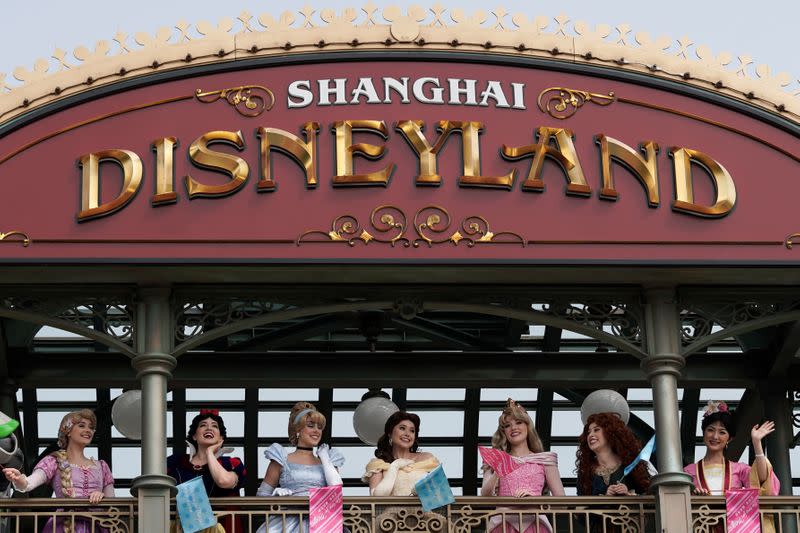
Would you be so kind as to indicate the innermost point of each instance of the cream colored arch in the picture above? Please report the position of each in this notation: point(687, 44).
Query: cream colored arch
point(497, 33)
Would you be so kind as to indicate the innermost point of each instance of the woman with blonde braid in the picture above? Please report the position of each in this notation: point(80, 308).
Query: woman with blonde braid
point(70, 472)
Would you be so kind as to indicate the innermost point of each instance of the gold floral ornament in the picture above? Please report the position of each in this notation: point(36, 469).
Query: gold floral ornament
point(26, 241)
point(248, 100)
point(562, 103)
point(431, 225)
point(789, 241)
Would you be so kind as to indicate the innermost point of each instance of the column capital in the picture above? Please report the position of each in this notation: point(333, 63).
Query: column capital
point(153, 292)
point(154, 363)
point(154, 481)
point(671, 479)
point(664, 363)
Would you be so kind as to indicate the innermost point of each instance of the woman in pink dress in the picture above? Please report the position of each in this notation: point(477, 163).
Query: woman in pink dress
point(714, 473)
point(70, 472)
point(517, 466)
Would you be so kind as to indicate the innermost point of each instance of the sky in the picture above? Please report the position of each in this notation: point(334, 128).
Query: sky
point(766, 34)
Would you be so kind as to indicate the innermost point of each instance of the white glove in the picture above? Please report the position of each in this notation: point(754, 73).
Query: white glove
point(332, 476)
point(386, 486)
point(280, 491)
point(397, 464)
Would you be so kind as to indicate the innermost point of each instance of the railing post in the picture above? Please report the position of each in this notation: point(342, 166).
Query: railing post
point(154, 364)
point(672, 487)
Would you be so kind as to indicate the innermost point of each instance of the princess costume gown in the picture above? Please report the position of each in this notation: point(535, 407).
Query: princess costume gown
point(406, 477)
point(299, 479)
point(528, 474)
point(182, 470)
point(85, 480)
point(722, 477)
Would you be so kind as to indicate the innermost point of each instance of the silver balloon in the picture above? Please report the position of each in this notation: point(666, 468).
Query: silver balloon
point(370, 416)
point(605, 401)
point(126, 414)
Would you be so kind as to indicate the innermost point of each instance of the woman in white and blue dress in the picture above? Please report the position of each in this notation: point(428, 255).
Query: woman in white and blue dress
point(295, 472)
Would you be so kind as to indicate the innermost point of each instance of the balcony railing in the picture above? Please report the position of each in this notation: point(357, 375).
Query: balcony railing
point(469, 514)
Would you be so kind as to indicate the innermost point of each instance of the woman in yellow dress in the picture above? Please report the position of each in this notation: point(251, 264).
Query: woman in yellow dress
point(398, 465)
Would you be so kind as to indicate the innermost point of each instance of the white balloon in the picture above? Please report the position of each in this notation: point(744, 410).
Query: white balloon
point(126, 414)
point(370, 416)
point(605, 401)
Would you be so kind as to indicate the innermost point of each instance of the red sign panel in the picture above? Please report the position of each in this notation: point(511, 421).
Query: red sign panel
point(399, 161)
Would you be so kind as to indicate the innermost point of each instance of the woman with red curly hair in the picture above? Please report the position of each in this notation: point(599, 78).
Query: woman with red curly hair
point(606, 446)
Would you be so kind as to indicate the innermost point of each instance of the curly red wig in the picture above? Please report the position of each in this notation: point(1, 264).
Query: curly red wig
point(623, 444)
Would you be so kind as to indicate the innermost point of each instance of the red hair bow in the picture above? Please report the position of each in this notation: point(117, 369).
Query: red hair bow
point(214, 412)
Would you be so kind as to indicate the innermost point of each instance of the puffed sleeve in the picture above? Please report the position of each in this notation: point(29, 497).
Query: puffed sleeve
point(277, 453)
point(48, 466)
point(108, 478)
point(237, 467)
point(337, 458)
point(373, 467)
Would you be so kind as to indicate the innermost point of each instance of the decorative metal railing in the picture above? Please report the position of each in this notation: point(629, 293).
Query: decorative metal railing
point(469, 514)
point(24, 515)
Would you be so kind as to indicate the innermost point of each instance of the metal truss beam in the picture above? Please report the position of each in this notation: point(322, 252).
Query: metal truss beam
point(386, 369)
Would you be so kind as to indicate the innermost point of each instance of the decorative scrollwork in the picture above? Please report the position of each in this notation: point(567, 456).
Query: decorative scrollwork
point(409, 520)
point(357, 520)
point(113, 317)
point(112, 520)
point(788, 242)
point(562, 103)
point(466, 520)
point(26, 241)
point(194, 318)
point(700, 320)
point(706, 520)
point(431, 225)
point(248, 100)
point(622, 320)
point(625, 519)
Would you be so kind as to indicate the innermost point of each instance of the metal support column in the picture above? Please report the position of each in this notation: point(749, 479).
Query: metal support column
point(778, 408)
point(672, 487)
point(154, 364)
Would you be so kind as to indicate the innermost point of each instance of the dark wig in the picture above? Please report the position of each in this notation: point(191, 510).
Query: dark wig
point(196, 423)
point(384, 450)
point(723, 417)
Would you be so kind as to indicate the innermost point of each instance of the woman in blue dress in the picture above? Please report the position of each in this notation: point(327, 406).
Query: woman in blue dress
point(294, 473)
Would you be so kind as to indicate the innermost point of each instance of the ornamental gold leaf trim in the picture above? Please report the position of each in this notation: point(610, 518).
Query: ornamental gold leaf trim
point(791, 240)
point(431, 226)
point(562, 103)
point(248, 100)
point(25, 240)
point(371, 27)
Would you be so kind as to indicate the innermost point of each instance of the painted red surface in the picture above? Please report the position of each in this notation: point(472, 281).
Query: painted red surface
point(40, 187)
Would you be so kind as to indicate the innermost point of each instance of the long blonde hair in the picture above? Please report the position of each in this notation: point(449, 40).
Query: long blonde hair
point(515, 411)
point(64, 467)
point(312, 415)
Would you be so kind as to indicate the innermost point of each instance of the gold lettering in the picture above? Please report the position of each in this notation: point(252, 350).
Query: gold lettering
point(165, 171)
point(684, 189)
point(427, 154)
point(229, 164)
point(303, 153)
point(645, 169)
point(428, 164)
point(470, 139)
point(345, 150)
point(563, 153)
point(90, 182)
